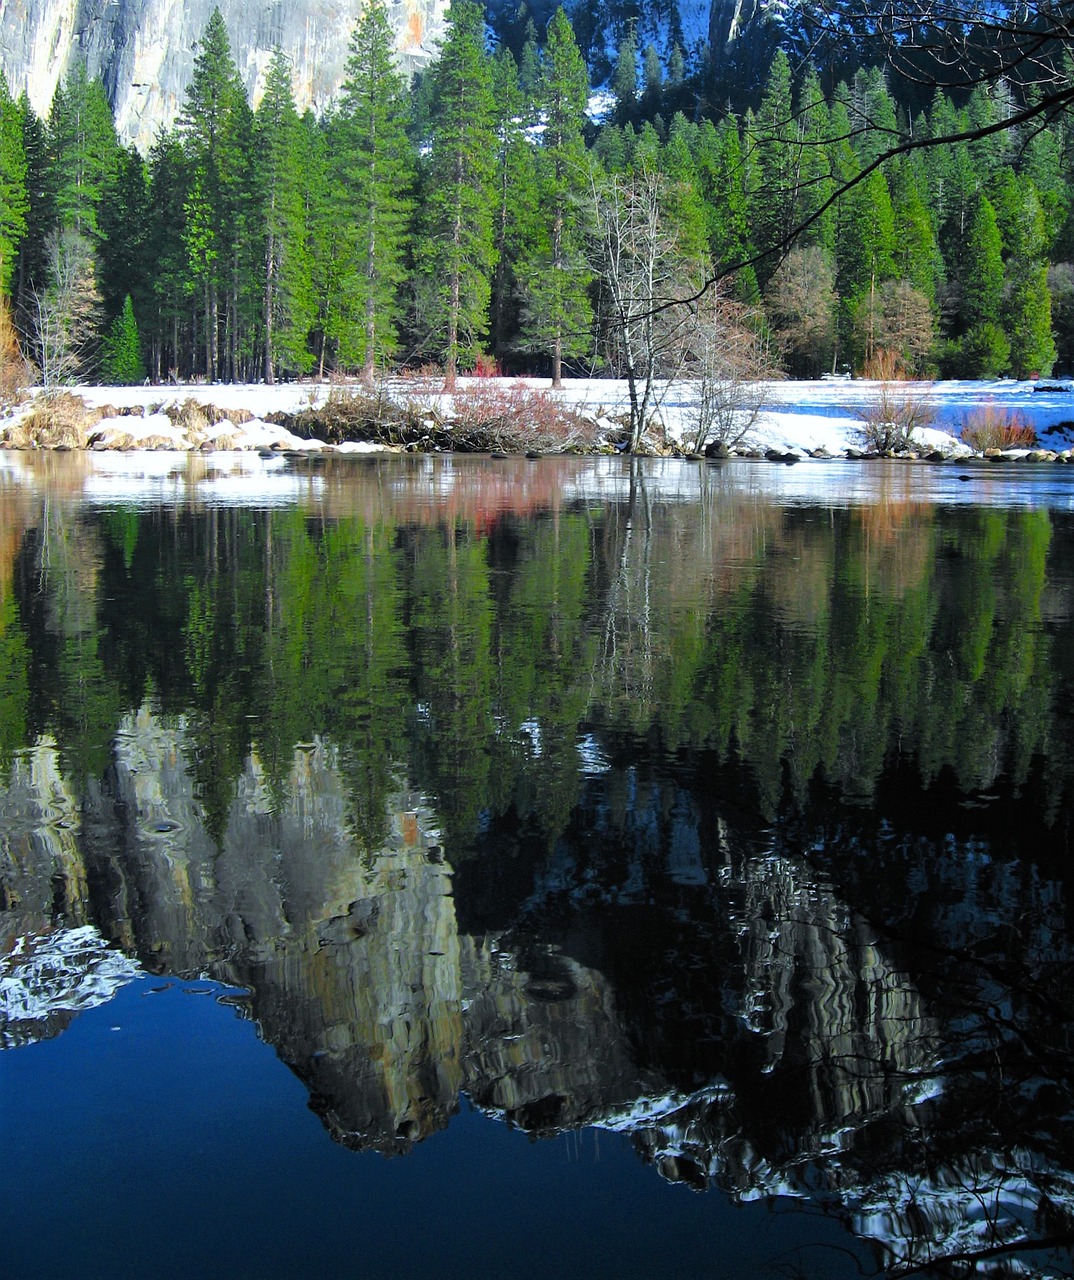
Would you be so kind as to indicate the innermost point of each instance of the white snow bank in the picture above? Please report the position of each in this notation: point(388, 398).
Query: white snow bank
point(796, 417)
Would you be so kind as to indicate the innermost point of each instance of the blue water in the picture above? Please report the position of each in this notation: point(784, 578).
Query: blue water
point(159, 1137)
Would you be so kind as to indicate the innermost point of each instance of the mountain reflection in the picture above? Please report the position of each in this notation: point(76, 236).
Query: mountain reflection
point(737, 827)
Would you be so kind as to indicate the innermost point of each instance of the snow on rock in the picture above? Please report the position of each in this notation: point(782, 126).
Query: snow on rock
point(153, 431)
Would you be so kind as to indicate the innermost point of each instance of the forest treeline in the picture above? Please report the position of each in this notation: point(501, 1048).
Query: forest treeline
point(477, 213)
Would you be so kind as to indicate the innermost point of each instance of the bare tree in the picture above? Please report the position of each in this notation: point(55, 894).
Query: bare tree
point(645, 283)
point(956, 44)
point(731, 367)
point(899, 320)
point(801, 305)
point(67, 311)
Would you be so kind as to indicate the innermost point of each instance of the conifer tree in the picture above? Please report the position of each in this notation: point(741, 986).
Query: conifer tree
point(625, 79)
point(529, 63)
point(1026, 305)
point(31, 268)
point(775, 143)
point(457, 252)
point(724, 177)
point(123, 222)
point(14, 197)
point(652, 81)
point(377, 174)
point(212, 126)
point(517, 227)
point(872, 115)
point(917, 255)
point(288, 291)
point(557, 314)
point(815, 178)
point(171, 284)
point(84, 152)
point(122, 357)
point(984, 349)
point(321, 141)
point(864, 259)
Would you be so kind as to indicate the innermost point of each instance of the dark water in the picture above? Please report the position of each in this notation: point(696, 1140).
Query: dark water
point(668, 867)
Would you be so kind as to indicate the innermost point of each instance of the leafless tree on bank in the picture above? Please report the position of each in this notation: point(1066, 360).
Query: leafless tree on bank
point(66, 311)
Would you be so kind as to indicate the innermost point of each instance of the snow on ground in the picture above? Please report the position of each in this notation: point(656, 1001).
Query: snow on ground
point(796, 416)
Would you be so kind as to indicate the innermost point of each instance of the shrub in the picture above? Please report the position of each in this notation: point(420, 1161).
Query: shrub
point(895, 409)
point(480, 415)
point(993, 427)
point(985, 352)
point(513, 418)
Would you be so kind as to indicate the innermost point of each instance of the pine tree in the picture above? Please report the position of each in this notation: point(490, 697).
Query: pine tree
point(122, 357)
point(1026, 308)
point(529, 63)
point(774, 141)
point(457, 252)
point(814, 167)
point(320, 142)
point(84, 152)
point(517, 228)
point(287, 313)
point(652, 75)
point(982, 281)
point(376, 172)
point(917, 255)
point(865, 251)
point(171, 284)
point(31, 269)
point(872, 116)
point(123, 221)
point(14, 196)
point(724, 177)
point(625, 79)
point(214, 128)
point(984, 350)
point(557, 314)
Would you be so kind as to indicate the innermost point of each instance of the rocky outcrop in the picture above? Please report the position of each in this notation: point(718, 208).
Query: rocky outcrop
point(143, 50)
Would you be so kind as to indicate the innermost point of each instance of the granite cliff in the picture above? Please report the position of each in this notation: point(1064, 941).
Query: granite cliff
point(143, 50)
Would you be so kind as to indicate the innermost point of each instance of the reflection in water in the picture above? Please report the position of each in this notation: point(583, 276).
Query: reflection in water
point(681, 811)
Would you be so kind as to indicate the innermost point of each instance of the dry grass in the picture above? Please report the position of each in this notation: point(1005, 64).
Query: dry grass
point(16, 372)
point(58, 420)
point(993, 427)
point(194, 417)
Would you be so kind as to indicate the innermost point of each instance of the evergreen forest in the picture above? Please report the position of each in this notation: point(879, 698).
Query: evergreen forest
point(484, 216)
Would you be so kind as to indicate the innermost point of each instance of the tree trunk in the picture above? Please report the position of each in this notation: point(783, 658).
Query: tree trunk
point(270, 270)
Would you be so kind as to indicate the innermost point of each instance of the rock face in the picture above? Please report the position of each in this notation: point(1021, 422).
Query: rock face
point(143, 50)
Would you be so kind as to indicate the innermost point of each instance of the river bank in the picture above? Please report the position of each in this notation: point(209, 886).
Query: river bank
point(796, 420)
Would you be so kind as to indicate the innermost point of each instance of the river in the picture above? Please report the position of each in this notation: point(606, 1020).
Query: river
point(580, 867)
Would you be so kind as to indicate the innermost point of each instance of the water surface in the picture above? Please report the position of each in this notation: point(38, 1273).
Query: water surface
point(439, 866)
